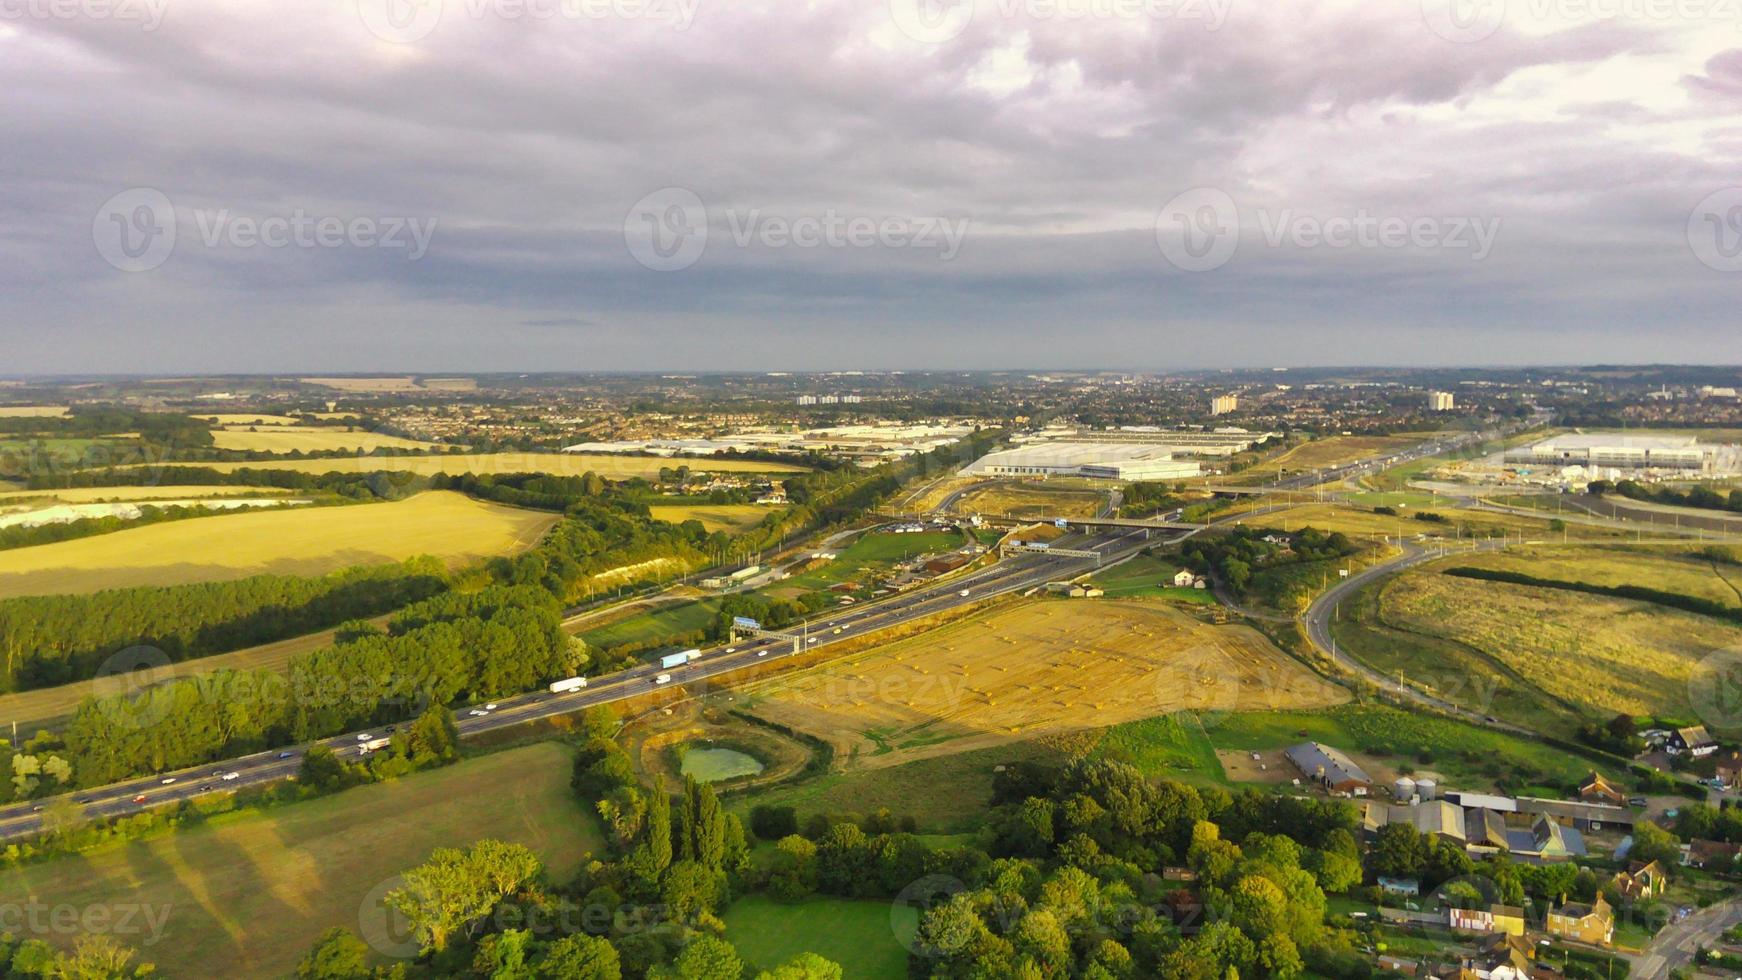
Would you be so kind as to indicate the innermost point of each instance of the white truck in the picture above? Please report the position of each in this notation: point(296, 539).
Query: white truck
point(373, 744)
point(662, 679)
point(679, 659)
point(568, 685)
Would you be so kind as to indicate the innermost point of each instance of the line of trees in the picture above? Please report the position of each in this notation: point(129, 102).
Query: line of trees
point(1702, 497)
point(58, 639)
point(1674, 600)
point(499, 641)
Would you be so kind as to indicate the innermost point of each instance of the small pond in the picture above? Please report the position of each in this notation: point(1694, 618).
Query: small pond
point(710, 765)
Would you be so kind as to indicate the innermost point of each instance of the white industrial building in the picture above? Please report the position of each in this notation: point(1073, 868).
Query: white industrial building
point(1129, 462)
point(1608, 450)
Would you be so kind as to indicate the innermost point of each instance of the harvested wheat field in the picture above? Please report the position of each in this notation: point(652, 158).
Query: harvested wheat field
point(1034, 669)
point(289, 439)
point(556, 464)
point(98, 495)
point(33, 411)
point(247, 418)
point(305, 541)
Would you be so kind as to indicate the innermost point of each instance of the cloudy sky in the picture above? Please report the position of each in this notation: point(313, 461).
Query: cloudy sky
point(437, 185)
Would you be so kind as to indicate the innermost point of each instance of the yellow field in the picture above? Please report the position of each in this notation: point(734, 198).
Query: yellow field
point(1609, 655)
point(1031, 501)
point(715, 517)
point(559, 464)
point(1034, 669)
point(284, 439)
point(33, 411)
point(310, 541)
point(244, 418)
point(99, 495)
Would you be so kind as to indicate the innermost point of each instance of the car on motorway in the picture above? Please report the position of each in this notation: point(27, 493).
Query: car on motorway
point(140, 798)
point(226, 777)
point(731, 649)
point(762, 653)
point(477, 712)
point(286, 755)
point(165, 781)
point(207, 788)
point(490, 707)
point(364, 737)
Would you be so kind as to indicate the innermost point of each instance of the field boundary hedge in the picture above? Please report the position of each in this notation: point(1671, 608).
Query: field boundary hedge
point(1675, 600)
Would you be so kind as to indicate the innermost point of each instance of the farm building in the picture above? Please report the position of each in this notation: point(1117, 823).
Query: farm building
point(946, 563)
point(1329, 768)
point(1596, 789)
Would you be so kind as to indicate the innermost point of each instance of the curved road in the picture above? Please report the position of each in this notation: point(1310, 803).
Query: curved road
point(1319, 615)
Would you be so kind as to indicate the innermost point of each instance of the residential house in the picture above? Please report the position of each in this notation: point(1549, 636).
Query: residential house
point(1593, 924)
point(1504, 956)
point(1183, 579)
point(1729, 770)
point(1329, 768)
point(1693, 740)
point(1596, 789)
point(1641, 880)
point(1503, 919)
point(1700, 853)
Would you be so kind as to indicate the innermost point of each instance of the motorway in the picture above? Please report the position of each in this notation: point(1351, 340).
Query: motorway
point(1015, 574)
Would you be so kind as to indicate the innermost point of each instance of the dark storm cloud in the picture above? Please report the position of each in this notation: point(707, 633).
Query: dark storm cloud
point(869, 199)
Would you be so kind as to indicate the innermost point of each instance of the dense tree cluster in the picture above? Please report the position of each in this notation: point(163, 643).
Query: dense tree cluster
point(1234, 556)
point(49, 640)
point(93, 957)
point(444, 650)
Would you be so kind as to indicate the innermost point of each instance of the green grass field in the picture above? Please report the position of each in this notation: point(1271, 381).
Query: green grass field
point(1466, 755)
point(865, 937)
point(945, 794)
point(870, 552)
point(1148, 577)
point(248, 894)
point(682, 617)
point(1173, 746)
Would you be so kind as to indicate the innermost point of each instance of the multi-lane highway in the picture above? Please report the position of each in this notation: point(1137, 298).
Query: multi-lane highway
point(1015, 574)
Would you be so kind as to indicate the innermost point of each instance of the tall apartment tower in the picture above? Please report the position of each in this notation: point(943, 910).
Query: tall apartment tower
point(1223, 404)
